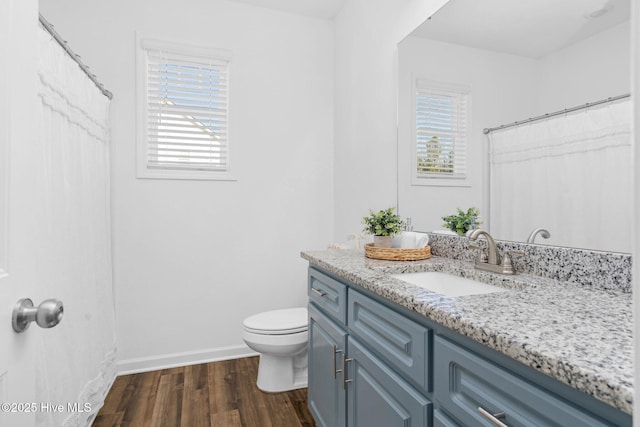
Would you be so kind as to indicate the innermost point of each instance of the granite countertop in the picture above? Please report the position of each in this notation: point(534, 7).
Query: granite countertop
point(579, 336)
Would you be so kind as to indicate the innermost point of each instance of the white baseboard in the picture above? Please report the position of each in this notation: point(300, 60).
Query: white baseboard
point(154, 363)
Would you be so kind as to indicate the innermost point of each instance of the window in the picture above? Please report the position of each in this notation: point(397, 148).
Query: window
point(441, 118)
point(182, 111)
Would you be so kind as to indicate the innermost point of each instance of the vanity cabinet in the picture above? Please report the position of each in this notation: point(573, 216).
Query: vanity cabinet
point(352, 384)
point(375, 364)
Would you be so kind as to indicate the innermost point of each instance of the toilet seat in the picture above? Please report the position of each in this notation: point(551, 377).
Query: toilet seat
point(278, 322)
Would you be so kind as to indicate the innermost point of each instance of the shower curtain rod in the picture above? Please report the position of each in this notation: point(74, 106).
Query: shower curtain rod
point(557, 113)
point(47, 26)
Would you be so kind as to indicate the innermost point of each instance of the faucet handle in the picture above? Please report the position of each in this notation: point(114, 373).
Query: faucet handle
point(482, 256)
point(513, 252)
point(507, 265)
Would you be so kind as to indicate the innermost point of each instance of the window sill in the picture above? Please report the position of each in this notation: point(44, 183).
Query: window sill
point(440, 182)
point(184, 174)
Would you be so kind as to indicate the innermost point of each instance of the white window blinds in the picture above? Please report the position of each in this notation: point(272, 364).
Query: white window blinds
point(186, 103)
point(441, 130)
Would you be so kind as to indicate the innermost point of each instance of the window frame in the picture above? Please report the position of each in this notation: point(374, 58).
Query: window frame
point(441, 180)
point(143, 45)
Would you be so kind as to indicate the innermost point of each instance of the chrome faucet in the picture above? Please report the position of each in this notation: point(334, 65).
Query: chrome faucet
point(493, 262)
point(541, 231)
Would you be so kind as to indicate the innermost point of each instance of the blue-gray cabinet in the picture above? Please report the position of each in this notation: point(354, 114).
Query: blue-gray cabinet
point(373, 363)
point(326, 394)
point(349, 383)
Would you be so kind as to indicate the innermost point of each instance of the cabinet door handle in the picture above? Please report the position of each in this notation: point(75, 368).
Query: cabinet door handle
point(318, 292)
point(335, 352)
point(494, 418)
point(344, 371)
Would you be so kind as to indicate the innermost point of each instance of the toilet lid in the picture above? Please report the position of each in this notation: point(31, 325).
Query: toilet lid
point(278, 322)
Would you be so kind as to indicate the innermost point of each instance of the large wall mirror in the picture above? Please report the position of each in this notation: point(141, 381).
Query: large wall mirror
point(476, 65)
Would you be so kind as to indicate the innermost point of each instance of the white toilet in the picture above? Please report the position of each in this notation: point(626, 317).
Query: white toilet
point(280, 336)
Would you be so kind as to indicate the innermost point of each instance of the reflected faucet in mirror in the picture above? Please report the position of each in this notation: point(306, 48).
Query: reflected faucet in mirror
point(541, 231)
point(493, 262)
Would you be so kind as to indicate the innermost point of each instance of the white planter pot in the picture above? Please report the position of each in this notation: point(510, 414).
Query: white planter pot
point(382, 241)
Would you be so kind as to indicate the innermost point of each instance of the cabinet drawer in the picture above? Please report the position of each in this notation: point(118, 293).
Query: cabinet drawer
point(465, 382)
point(328, 294)
point(402, 343)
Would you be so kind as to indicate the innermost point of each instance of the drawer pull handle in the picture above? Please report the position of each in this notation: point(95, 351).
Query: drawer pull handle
point(318, 292)
point(344, 371)
point(335, 352)
point(494, 418)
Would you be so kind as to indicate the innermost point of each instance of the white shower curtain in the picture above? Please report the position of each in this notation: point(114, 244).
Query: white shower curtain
point(75, 259)
point(570, 174)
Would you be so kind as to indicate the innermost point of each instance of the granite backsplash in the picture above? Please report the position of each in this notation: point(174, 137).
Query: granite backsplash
point(589, 268)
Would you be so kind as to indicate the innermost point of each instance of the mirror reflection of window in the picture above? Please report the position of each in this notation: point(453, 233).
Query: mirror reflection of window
point(441, 130)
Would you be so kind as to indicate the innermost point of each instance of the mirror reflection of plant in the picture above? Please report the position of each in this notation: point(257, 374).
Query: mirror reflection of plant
point(383, 223)
point(462, 222)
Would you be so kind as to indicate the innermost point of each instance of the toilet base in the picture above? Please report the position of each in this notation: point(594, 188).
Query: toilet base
point(278, 374)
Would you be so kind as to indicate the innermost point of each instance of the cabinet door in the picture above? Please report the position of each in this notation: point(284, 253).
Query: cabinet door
point(399, 341)
point(326, 395)
point(377, 396)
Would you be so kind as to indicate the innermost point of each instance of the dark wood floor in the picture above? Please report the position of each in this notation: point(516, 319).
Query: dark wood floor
point(220, 394)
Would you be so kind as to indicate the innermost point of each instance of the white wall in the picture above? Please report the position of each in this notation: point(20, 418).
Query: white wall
point(193, 258)
point(592, 69)
point(497, 89)
point(366, 36)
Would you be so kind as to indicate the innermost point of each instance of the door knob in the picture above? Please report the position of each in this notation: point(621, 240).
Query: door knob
point(47, 315)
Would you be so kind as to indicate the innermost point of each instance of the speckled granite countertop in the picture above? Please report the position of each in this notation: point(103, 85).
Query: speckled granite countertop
point(580, 336)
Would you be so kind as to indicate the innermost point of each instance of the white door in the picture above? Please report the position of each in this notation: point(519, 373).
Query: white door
point(54, 228)
point(18, 98)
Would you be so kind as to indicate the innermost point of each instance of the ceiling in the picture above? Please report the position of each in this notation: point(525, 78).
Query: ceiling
point(526, 28)
point(326, 9)
point(519, 27)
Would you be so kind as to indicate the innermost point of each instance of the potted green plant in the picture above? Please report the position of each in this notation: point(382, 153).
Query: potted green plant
point(383, 225)
point(462, 222)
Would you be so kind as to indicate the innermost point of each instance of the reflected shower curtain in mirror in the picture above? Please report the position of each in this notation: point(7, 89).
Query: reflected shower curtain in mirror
point(570, 174)
point(72, 169)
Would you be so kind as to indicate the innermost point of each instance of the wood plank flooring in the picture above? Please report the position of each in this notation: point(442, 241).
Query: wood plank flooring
point(219, 394)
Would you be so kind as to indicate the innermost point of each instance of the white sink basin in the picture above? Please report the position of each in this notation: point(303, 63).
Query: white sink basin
point(448, 284)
